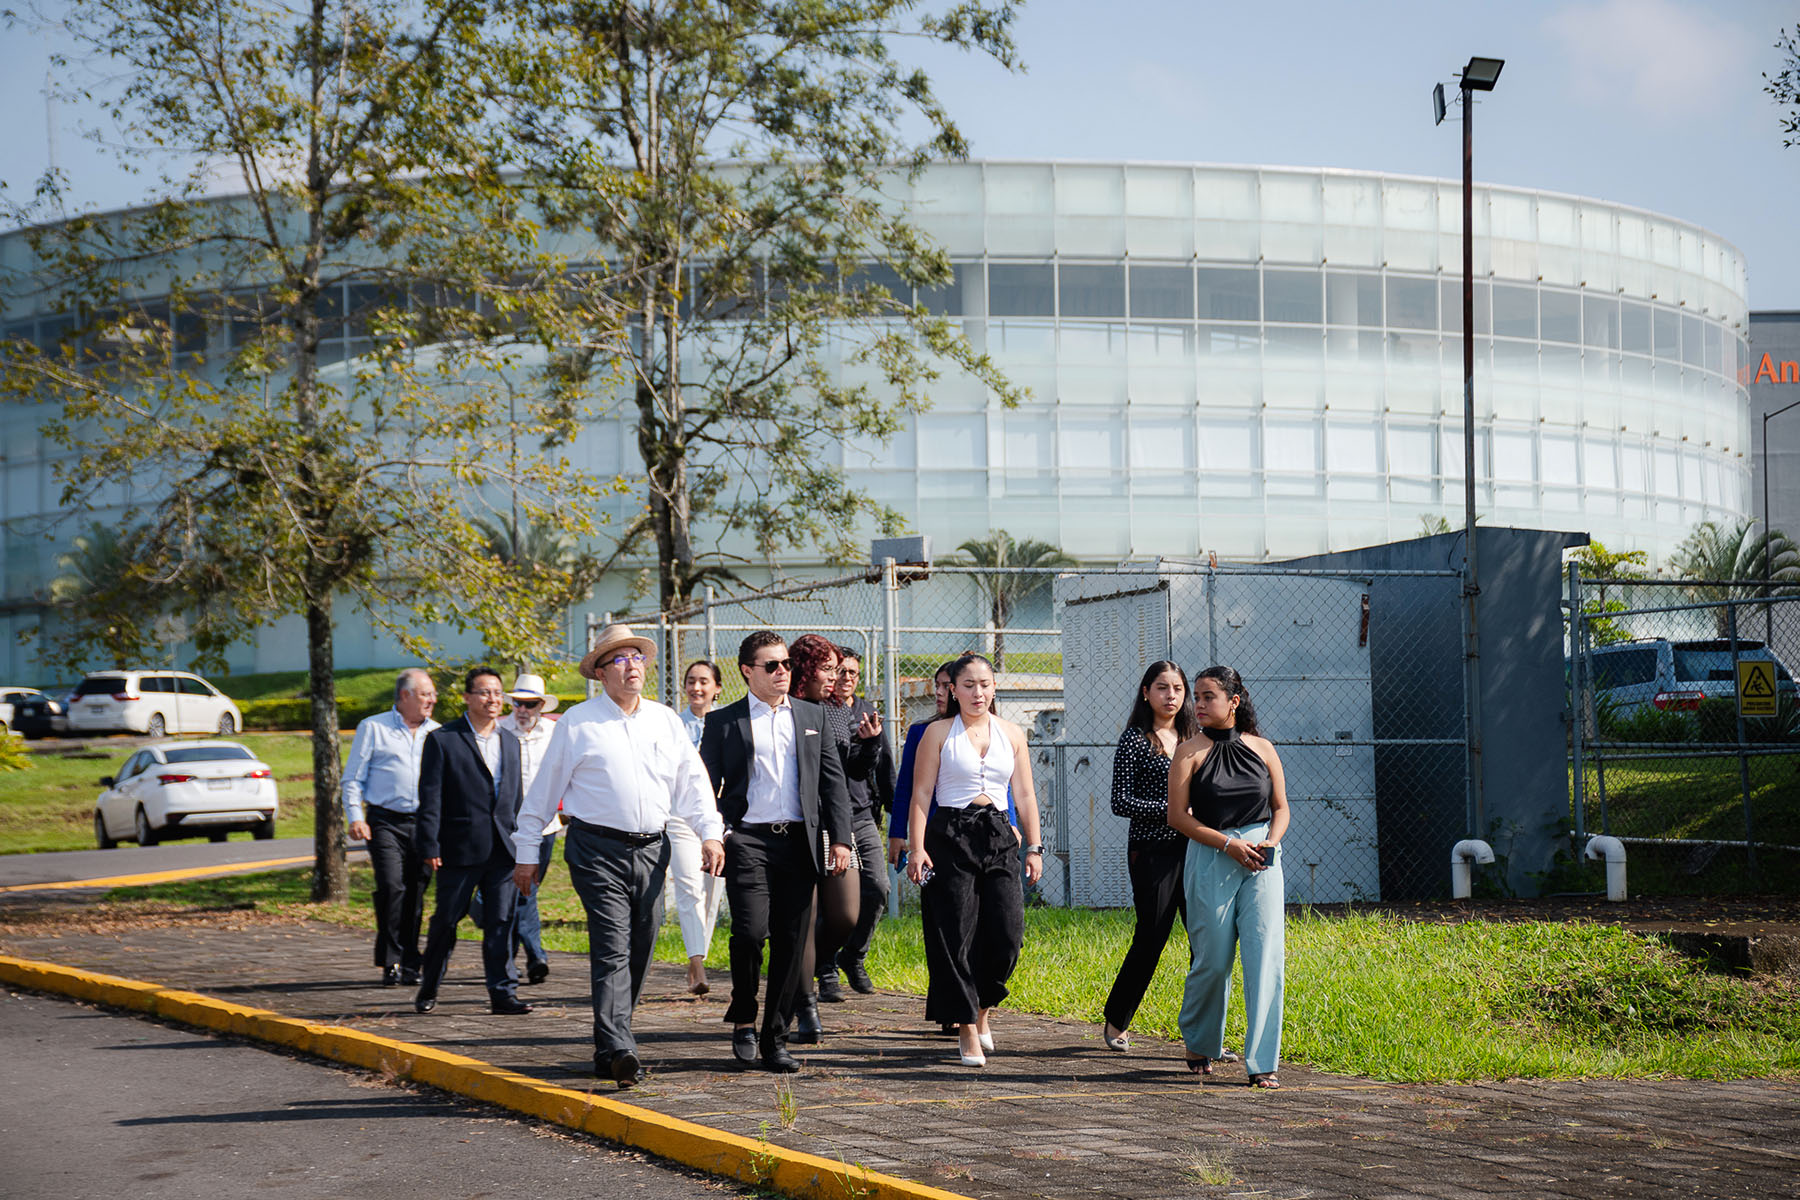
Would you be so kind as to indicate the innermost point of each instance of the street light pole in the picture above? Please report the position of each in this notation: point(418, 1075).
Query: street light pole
point(1768, 557)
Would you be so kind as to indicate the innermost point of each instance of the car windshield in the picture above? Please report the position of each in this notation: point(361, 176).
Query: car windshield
point(205, 754)
point(100, 685)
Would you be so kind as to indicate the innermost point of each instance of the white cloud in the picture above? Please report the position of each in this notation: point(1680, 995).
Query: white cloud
point(1657, 56)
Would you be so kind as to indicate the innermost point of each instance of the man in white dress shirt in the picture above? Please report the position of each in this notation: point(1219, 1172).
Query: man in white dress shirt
point(620, 765)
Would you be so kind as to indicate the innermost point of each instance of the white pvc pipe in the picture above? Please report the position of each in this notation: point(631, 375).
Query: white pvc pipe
point(1463, 857)
point(1612, 850)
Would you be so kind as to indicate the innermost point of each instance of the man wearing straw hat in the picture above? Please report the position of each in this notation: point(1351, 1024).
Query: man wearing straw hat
point(620, 766)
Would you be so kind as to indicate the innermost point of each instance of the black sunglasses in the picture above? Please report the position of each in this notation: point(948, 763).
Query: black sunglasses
point(777, 664)
point(528, 704)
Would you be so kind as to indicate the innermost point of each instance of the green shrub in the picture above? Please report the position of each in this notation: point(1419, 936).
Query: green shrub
point(1646, 723)
point(1717, 719)
point(12, 753)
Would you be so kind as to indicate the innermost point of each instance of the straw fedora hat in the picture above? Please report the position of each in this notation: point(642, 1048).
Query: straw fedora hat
point(531, 687)
point(611, 640)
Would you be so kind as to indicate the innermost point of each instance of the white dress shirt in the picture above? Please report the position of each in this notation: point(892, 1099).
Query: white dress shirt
point(774, 792)
point(532, 745)
point(489, 745)
point(627, 772)
point(383, 768)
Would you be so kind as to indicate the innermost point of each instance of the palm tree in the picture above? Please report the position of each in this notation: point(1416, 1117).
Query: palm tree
point(1005, 590)
point(1719, 556)
point(95, 577)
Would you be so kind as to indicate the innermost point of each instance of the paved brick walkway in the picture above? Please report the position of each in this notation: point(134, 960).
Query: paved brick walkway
point(1053, 1114)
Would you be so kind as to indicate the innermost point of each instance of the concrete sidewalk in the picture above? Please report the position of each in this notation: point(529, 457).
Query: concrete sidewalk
point(1054, 1114)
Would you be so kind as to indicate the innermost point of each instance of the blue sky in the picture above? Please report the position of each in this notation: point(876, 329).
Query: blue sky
point(1652, 103)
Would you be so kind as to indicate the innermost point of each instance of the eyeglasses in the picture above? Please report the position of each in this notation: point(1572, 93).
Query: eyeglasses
point(634, 659)
point(489, 695)
point(528, 704)
point(777, 664)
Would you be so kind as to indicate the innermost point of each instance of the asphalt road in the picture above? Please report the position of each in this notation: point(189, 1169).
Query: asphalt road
point(97, 1104)
point(19, 870)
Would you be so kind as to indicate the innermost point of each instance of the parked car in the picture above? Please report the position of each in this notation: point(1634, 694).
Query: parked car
point(186, 789)
point(42, 714)
point(152, 702)
point(1674, 676)
point(11, 698)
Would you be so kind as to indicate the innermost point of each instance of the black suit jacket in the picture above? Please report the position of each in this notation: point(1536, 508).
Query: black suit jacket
point(729, 754)
point(463, 816)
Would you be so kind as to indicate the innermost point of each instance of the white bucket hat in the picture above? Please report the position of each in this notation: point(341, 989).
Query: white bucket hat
point(531, 687)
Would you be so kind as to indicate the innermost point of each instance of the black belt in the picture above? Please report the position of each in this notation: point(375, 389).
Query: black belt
point(778, 828)
point(618, 835)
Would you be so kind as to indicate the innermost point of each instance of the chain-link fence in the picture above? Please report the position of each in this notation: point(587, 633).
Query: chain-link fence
point(1687, 746)
point(1357, 679)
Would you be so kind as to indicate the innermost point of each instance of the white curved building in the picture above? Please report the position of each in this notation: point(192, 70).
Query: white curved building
point(1260, 362)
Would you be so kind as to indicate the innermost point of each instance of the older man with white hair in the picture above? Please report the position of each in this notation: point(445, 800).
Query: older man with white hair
point(381, 803)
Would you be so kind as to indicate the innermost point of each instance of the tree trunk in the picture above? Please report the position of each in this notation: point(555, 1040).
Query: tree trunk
point(331, 879)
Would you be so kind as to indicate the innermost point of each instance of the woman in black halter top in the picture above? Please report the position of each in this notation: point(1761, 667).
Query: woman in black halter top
point(1227, 795)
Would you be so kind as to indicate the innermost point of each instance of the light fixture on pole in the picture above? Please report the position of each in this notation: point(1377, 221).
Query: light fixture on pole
point(1479, 75)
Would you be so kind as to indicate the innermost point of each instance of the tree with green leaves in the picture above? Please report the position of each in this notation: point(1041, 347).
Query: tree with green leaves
point(1005, 589)
point(1784, 86)
point(1717, 557)
point(201, 356)
point(1599, 566)
point(552, 573)
point(760, 300)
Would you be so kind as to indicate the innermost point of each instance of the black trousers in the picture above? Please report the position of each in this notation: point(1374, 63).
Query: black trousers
point(871, 846)
point(401, 878)
point(455, 887)
point(975, 922)
point(769, 882)
point(1156, 891)
point(621, 887)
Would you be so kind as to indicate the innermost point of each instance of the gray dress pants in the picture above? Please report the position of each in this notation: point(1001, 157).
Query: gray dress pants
point(621, 887)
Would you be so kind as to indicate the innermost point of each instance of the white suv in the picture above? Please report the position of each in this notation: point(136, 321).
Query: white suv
point(152, 702)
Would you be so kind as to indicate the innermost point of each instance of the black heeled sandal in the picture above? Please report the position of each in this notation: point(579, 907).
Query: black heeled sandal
point(1200, 1064)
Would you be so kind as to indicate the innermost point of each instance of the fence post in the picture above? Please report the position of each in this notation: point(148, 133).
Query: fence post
point(1731, 625)
point(1577, 708)
point(712, 640)
point(890, 691)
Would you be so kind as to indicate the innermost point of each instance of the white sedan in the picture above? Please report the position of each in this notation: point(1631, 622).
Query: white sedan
point(186, 789)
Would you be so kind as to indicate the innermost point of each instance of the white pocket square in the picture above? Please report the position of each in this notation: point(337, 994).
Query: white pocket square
point(810, 732)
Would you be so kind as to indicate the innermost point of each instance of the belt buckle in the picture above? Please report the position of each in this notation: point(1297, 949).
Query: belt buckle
point(780, 827)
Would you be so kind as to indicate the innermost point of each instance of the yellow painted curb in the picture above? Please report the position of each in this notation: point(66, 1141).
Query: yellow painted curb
point(172, 876)
point(790, 1172)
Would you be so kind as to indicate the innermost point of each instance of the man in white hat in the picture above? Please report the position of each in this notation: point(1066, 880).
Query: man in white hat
point(620, 766)
point(529, 720)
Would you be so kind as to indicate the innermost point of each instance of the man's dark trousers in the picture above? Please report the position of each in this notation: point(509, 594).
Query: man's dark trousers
point(401, 878)
point(769, 881)
point(620, 883)
point(455, 887)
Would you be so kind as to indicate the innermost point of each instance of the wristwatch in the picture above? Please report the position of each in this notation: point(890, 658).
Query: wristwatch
point(1036, 848)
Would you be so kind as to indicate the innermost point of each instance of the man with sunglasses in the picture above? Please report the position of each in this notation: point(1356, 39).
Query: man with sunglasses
point(780, 782)
point(620, 766)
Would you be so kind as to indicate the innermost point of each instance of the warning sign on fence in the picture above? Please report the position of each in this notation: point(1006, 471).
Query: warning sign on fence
point(1756, 687)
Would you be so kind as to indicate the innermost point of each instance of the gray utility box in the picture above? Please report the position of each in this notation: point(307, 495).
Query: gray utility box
point(1301, 643)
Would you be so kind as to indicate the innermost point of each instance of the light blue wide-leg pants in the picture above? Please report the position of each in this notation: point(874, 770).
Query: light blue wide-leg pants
point(1228, 908)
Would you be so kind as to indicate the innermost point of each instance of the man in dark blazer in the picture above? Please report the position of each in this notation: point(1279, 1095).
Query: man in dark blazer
point(781, 788)
point(469, 796)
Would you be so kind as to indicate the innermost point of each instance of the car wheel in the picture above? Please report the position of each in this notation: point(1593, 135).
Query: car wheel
point(101, 837)
point(157, 726)
point(217, 836)
point(146, 836)
point(264, 829)
point(227, 726)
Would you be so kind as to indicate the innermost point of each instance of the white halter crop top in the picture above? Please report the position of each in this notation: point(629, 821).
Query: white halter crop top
point(963, 776)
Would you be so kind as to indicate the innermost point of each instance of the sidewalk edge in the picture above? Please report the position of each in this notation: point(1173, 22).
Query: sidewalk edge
point(760, 1163)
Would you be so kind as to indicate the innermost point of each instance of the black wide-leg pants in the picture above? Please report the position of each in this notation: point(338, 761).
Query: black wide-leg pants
point(975, 920)
point(1156, 871)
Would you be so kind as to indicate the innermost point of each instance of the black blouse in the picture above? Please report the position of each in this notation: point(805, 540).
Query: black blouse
point(1140, 788)
point(1232, 786)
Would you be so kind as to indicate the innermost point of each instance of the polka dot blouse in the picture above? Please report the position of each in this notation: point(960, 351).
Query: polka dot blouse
point(1140, 788)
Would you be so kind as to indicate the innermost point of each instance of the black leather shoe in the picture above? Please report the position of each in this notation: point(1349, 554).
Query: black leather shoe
point(780, 1061)
point(508, 1006)
point(807, 1029)
point(409, 977)
point(830, 990)
point(425, 1001)
point(537, 972)
point(626, 1070)
point(743, 1044)
point(390, 977)
point(858, 975)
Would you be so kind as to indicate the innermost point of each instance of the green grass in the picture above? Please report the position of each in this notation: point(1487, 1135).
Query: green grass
point(50, 804)
point(1691, 797)
point(1367, 994)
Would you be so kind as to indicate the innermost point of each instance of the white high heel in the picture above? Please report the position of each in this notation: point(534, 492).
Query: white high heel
point(973, 1060)
point(986, 1040)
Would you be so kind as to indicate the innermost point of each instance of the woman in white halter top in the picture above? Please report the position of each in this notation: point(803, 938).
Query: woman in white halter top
point(966, 858)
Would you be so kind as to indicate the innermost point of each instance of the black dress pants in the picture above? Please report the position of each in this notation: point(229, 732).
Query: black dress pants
point(455, 887)
point(769, 881)
point(1156, 892)
point(975, 922)
point(620, 883)
point(401, 878)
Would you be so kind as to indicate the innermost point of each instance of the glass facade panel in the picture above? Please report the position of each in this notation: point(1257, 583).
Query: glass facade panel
point(1693, 342)
point(1228, 294)
point(1634, 327)
point(1515, 311)
point(1293, 296)
point(1411, 302)
point(1161, 292)
point(1600, 321)
point(1290, 446)
point(1353, 298)
point(1227, 444)
point(1089, 290)
point(1666, 332)
point(1451, 295)
point(1560, 315)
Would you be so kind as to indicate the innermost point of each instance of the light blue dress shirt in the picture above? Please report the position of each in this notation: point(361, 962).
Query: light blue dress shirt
point(383, 769)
